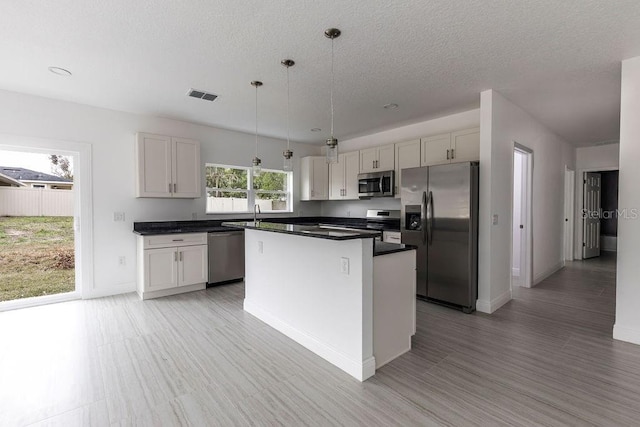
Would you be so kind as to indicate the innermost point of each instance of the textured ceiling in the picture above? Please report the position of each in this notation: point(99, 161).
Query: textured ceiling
point(558, 59)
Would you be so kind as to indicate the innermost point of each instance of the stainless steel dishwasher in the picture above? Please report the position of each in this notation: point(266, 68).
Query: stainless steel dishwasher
point(226, 256)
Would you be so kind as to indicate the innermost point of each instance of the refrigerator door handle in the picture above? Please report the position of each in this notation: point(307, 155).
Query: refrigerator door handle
point(423, 217)
point(430, 217)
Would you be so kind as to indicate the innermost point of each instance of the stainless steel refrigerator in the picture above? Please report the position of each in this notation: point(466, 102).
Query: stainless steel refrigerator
point(440, 217)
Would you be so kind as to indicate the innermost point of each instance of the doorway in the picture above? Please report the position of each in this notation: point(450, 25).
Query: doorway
point(522, 221)
point(49, 219)
point(599, 213)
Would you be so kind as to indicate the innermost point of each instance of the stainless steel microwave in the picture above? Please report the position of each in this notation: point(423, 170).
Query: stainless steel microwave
point(376, 184)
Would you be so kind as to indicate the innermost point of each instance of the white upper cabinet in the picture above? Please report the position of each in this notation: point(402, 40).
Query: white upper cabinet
point(167, 167)
point(186, 155)
point(436, 150)
point(368, 160)
point(314, 178)
point(455, 147)
point(343, 177)
point(386, 157)
point(407, 156)
point(377, 159)
point(465, 145)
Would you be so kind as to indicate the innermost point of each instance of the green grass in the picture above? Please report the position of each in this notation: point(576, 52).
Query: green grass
point(36, 256)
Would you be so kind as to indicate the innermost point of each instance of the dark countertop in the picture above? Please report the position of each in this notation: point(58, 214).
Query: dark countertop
point(321, 232)
point(384, 248)
point(213, 226)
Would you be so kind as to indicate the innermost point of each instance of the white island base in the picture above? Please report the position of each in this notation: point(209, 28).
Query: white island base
point(333, 297)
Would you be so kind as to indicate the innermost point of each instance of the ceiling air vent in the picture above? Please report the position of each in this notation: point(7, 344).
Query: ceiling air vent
point(200, 94)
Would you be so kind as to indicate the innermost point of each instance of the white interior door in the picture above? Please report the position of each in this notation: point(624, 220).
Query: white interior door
point(569, 193)
point(517, 222)
point(591, 215)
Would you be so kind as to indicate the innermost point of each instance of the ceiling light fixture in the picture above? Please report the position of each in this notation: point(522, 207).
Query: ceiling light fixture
point(288, 154)
point(60, 71)
point(332, 143)
point(257, 163)
point(390, 106)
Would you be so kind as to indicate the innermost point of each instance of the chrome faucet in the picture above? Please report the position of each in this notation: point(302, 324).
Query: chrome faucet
point(256, 211)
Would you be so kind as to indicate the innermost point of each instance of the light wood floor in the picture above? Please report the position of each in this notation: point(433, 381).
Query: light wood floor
point(545, 358)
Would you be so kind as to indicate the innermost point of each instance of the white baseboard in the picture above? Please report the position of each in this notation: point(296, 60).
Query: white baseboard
point(360, 370)
point(121, 288)
point(540, 277)
point(489, 307)
point(172, 291)
point(624, 333)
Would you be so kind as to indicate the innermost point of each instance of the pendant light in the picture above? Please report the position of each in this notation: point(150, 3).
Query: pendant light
point(257, 163)
point(332, 143)
point(288, 154)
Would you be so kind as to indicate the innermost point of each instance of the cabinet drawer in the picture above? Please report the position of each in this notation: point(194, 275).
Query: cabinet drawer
point(391, 236)
point(174, 240)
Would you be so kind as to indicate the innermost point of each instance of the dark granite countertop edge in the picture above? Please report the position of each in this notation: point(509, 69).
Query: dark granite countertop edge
point(370, 235)
point(390, 248)
point(149, 228)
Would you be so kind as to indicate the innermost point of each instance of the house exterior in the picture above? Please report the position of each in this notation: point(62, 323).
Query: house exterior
point(21, 177)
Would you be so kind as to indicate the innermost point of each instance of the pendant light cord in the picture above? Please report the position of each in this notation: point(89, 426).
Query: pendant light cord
point(331, 88)
point(256, 121)
point(288, 100)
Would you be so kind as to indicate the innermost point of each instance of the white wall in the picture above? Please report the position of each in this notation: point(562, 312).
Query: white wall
point(358, 208)
point(599, 158)
point(502, 124)
point(627, 326)
point(111, 136)
point(464, 120)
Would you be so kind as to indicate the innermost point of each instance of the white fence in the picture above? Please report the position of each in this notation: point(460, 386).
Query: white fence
point(230, 204)
point(15, 201)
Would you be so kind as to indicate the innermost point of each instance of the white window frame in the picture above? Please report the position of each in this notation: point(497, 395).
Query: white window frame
point(251, 192)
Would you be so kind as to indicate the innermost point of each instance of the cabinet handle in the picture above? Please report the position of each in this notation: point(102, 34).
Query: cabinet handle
point(312, 193)
point(175, 256)
point(180, 256)
point(453, 156)
point(448, 154)
point(377, 164)
point(170, 188)
point(178, 240)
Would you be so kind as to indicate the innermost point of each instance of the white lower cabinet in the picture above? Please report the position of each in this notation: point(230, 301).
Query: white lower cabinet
point(172, 264)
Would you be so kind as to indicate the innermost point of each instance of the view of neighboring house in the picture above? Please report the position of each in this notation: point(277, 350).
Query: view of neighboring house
point(7, 181)
point(17, 177)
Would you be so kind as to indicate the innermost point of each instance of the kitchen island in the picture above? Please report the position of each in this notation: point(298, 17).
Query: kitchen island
point(332, 290)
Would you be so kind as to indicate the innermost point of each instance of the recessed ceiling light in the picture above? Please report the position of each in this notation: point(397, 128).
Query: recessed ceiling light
point(390, 106)
point(60, 71)
point(316, 130)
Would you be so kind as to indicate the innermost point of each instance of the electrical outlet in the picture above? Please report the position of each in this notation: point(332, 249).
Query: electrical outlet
point(122, 260)
point(260, 247)
point(495, 219)
point(344, 265)
point(348, 213)
point(194, 215)
point(118, 216)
